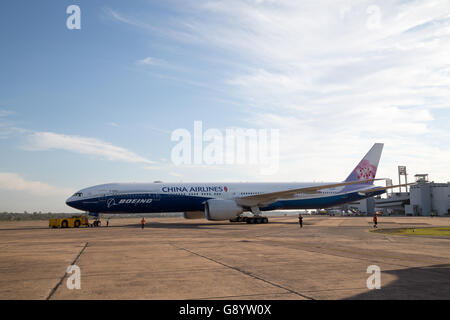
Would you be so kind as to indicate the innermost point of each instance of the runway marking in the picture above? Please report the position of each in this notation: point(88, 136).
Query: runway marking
point(377, 255)
point(243, 296)
point(245, 272)
point(65, 274)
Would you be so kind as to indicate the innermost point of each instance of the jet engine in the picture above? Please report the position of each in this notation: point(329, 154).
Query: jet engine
point(194, 215)
point(216, 209)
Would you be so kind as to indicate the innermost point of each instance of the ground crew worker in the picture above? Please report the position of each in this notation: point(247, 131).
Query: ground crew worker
point(375, 221)
point(300, 220)
point(142, 222)
point(107, 222)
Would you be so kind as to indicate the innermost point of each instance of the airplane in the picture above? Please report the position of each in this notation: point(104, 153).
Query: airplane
point(228, 201)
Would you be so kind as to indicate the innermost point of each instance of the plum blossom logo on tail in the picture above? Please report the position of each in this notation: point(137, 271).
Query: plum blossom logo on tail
point(365, 170)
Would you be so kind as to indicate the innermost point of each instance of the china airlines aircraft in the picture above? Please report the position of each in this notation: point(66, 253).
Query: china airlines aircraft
point(227, 201)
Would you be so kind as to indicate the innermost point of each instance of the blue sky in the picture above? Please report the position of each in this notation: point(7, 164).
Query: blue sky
point(81, 107)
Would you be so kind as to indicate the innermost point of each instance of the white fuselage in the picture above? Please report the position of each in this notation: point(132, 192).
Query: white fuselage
point(186, 197)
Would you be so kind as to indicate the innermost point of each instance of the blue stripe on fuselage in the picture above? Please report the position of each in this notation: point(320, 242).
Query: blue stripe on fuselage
point(320, 202)
point(140, 203)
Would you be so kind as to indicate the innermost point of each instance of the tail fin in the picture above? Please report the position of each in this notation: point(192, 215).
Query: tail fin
point(366, 169)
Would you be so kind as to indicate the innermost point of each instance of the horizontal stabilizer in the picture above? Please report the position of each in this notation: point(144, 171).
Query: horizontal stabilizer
point(385, 188)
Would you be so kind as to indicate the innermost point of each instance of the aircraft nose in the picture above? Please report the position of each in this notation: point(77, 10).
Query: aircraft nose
point(69, 201)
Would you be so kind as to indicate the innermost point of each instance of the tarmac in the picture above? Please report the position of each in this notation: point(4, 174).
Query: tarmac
point(173, 258)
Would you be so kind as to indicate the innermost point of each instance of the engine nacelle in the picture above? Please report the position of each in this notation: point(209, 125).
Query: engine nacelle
point(216, 209)
point(194, 215)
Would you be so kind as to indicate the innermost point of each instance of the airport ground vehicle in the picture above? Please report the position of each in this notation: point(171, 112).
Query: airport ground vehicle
point(72, 222)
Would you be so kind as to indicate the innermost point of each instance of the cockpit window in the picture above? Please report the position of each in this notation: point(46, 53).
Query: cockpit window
point(78, 194)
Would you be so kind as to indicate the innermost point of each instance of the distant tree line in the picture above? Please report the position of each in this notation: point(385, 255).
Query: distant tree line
point(14, 216)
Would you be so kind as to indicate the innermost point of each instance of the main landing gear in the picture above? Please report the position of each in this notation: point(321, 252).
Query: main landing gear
point(251, 220)
point(257, 218)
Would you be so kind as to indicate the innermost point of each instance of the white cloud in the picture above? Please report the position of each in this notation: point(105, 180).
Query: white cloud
point(151, 61)
point(175, 174)
point(49, 140)
point(4, 113)
point(4, 126)
point(7, 127)
point(14, 182)
point(148, 23)
point(332, 84)
point(162, 64)
point(334, 76)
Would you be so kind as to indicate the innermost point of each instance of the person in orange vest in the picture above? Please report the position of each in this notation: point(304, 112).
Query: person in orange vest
point(142, 222)
point(375, 220)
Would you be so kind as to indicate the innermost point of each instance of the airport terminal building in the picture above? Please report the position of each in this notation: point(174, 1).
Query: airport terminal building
point(423, 199)
point(429, 198)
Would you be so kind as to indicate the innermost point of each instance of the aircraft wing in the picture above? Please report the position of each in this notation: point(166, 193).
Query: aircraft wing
point(267, 198)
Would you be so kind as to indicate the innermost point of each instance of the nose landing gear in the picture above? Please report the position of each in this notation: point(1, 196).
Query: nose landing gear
point(97, 222)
